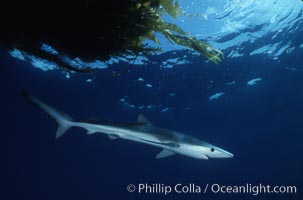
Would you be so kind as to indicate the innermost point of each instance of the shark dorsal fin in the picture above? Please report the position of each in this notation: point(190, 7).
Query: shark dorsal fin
point(142, 119)
point(92, 120)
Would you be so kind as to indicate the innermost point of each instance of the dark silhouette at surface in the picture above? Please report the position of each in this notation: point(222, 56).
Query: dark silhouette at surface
point(92, 29)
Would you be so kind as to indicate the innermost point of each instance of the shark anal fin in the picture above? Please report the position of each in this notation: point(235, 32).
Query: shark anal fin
point(142, 119)
point(113, 137)
point(89, 132)
point(164, 153)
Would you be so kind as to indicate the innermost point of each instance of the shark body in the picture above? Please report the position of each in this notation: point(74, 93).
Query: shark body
point(142, 131)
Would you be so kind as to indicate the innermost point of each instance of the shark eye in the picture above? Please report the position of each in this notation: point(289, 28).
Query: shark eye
point(212, 149)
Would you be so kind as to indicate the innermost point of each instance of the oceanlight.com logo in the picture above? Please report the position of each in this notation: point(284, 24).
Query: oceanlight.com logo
point(192, 188)
point(253, 189)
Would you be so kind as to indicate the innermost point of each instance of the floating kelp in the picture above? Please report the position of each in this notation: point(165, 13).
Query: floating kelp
point(93, 30)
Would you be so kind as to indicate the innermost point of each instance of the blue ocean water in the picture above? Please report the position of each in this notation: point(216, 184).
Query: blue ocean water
point(250, 104)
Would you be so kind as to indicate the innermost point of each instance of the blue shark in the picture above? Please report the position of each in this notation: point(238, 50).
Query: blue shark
point(141, 131)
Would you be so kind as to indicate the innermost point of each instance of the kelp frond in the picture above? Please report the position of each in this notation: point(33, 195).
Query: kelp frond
point(154, 23)
point(171, 8)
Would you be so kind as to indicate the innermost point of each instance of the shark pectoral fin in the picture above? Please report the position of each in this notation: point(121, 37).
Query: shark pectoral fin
point(164, 153)
point(112, 137)
point(142, 119)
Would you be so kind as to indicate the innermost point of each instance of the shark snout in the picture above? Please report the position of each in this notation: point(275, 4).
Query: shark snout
point(229, 155)
point(220, 153)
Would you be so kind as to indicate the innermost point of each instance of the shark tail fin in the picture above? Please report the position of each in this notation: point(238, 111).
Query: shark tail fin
point(64, 121)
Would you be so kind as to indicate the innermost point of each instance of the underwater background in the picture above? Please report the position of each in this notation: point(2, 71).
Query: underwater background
point(250, 104)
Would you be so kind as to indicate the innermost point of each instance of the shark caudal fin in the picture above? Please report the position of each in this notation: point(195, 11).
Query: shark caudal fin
point(64, 121)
